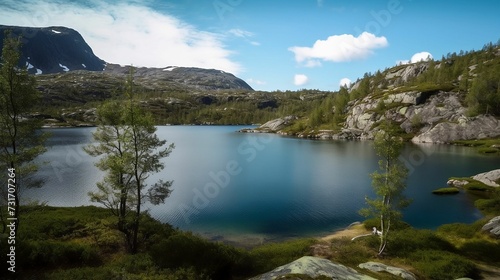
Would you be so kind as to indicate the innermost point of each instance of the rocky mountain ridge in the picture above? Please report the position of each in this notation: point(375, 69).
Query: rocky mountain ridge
point(67, 69)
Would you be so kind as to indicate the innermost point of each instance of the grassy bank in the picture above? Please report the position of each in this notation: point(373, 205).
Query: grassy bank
point(75, 242)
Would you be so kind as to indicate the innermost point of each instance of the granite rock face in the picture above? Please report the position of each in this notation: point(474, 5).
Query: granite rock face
point(489, 178)
point(380, 267)
point(314, 267)
point(493, 227)
point(277, 124)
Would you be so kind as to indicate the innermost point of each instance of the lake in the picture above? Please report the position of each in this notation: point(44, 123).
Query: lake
point(256, 187)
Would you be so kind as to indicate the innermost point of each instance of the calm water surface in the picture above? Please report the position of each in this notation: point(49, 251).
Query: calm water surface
point(232, 185)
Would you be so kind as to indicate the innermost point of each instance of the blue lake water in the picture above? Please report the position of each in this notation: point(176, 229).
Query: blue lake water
point(262, 186)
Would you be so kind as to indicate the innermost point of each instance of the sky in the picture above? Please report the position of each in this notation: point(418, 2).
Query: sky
point(272, 45)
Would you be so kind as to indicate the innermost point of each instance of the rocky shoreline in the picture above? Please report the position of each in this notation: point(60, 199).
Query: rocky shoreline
point(440, 119)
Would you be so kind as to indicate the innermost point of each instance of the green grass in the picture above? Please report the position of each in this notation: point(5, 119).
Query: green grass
point(474, 185)
point(489, 206)
point(451, 190)
point(483, 146)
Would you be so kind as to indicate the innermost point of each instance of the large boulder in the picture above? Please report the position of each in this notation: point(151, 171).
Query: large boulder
point(493, 227)
point(278, 124)
point(489, 178)
point(465, 129)
point(380, 267)
point(314, 267)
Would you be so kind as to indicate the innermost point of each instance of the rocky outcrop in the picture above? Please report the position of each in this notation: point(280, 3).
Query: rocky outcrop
point(493, 227)
point(273, 126)
point(457, 183)
point(433, 116)
point(403, 74)
point(380, 267)
point(466, 129)
point(489, 178)
point(314, 267)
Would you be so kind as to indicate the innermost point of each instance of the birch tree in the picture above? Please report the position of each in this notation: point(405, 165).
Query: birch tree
point(131, 152)
point(21, 140)
point(389, 183)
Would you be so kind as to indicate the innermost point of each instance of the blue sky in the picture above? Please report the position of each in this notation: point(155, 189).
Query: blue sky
point(273, 45)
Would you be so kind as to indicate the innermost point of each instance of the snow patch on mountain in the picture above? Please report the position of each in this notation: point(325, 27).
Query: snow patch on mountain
point(65, 69)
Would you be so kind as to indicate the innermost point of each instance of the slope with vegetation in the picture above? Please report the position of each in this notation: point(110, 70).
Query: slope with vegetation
point(453, 99)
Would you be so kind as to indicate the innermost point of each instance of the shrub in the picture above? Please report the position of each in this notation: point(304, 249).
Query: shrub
point(461, 230)
point(482, 250)
point(352, 253)
point(439, 265)
point(478, 186)
point(403, 243)
point(107, 273)
point(268, 257)
point(488, 206)
point(53, 254)
point(185, 250)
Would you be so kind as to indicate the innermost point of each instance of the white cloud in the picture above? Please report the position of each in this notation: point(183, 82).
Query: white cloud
point(339, 48)
point(312, 63)
point(345, 82)
point(256, 82)
point(421, 56)
point(240, 33)
point(126, 32)
point(300, 79)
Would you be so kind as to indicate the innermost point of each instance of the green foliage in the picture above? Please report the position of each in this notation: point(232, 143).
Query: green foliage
point(478, 186)
point(269, 256)
point(185, 250)
point(439, 265)
point(350, 253)
point(20, 138)
point(133, 267)
point(388, 184)
point(481, 250)
point(484, 94)
point(461, 230)
point(130, 152)
point(451, 190)
point(405, 242)
point(489, 206)
point(53, 254)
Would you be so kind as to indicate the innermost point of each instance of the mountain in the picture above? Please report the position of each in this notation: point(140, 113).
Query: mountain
point(67, 68)
point(190, 77)
point(53, 50)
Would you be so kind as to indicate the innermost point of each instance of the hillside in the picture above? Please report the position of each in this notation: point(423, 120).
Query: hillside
point(455, 98)
point(69, 74)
